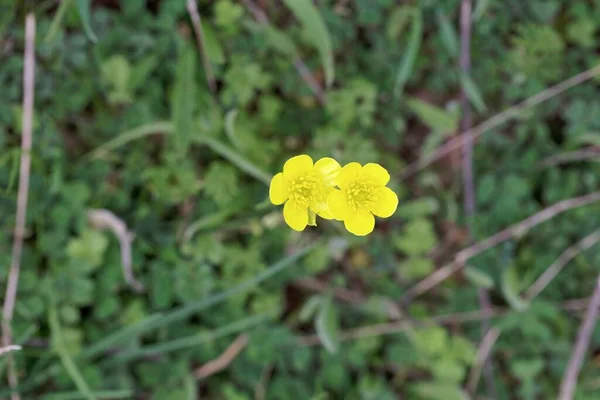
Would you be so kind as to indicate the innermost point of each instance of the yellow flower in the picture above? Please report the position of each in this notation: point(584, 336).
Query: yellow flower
point(362, 194)
point(304, 187)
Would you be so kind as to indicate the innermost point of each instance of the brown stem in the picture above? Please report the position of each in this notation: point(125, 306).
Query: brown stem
point(569, 382)
point(499, 119)
point(515, 230)
point(25, 163)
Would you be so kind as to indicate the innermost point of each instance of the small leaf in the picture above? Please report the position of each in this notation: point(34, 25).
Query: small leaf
point(480, 9)
point(408, 62)
point(317, 32)
point(473, 93)
point(439, 391)
point(435, 118)
point(309, 309)
point(212, 46)
point(479, 278)
point(448, 34)
point(230, 118)
point(328, 326)
point(184, 95)
point(511, 289)
point(83, 7)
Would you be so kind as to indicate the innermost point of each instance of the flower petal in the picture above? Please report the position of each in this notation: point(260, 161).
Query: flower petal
point(322, 210)
point(348, 174)
point(338, 206)
point(278, 191)
point(295, 215)
point(297, 165)
point(386, 205)
point(360, 223)
point(329, 170)
point(376, 173)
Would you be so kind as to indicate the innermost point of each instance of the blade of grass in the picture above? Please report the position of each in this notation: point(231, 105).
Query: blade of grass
point(129, 136)
point(236, 159)
point(65, 357)
point(157, 321)
point(83, 7)
point(56, 21)
point(408, 62)
point(315, 28)
point(190, 341)
point(105, 394)
point(167, 128)
point(184, 96)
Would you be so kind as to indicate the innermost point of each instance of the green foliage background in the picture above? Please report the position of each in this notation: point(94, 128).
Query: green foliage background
point(125, 121)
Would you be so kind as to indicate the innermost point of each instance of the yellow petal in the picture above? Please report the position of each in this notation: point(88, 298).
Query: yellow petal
point(329, 169)
point(312, 218)
point(376, 173)
point(278, 192)
point(322, 210)
point(386, 204)
point(295, 215)
point(348, 174)
point(360, 223)
point(297, 165)
point(339, 207)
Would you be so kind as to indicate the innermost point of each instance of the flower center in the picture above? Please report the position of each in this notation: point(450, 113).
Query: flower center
point(361, 195)
point(303, 189)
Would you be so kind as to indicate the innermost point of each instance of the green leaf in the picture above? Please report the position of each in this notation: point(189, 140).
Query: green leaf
point(479, 278)
point(410, 56)
point(419, 208)
point(57, 20)
point(448, 34)
point(310, 308)
point(230, 119)
point(473, 93)
point(327, 326)
point(511, 286)
point(212, 46)
point(241, 325)
point(317, 32)
point(439, 391)
point(156, 321)
point(83, 7)
point(480, 9)
point(167, 128)
point(68, 363)
point(435, 118)
point(184, 96)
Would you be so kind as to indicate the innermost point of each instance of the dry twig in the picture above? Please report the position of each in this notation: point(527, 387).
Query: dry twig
point(223, 361)
point(103, 219)
point(570, 156)
point(485, 348)
point(499, 119)
point(197, 24)
point(24, 168)
point(544, 280)
point(300, 65)
point(515, 230)
point(454, 318)
point(9, 348)
point(567, 387)
point(468, 180)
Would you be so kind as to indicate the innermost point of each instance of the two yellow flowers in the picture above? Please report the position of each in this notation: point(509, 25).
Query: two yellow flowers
point(354, 194)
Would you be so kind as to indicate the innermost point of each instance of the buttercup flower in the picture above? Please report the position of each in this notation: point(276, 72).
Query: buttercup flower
point(363, 193)
point(304, 187)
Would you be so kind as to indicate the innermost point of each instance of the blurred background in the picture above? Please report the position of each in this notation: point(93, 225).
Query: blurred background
point(154, 266)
